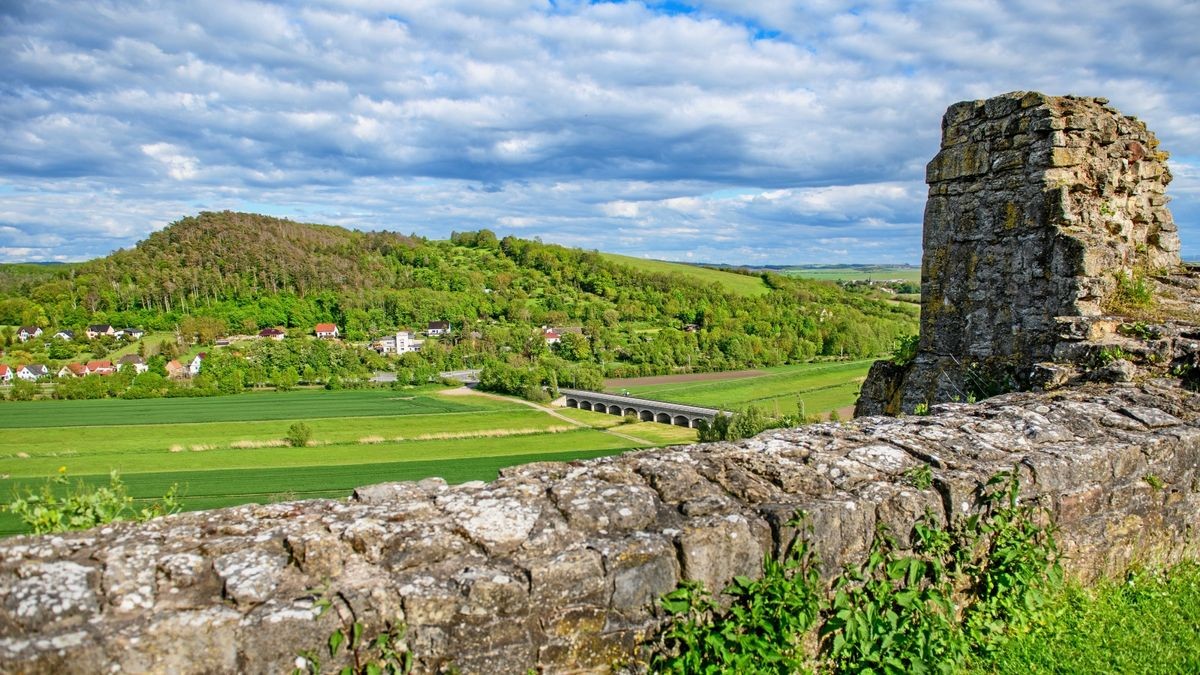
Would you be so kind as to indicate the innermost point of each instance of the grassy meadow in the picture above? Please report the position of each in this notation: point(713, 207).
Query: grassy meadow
point(734, 283)
point(856, 273)
point(823, 386)
point(231, 450)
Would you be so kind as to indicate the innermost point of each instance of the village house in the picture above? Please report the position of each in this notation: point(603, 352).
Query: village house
point(96, 330)
point(402, 342)
point(552, 337)
point(33, 372)
point(101, 367)
point(6, 373)
point(64, 334)
point(176, 370)
point(327, 331)
point(437, 328)
point(72, 370)
point(194, 367)
point(130, 333)
point(28, 333)
point(273, 334)
point(139, 364)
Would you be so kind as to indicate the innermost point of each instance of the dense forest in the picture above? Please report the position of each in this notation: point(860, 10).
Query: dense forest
point(237, 273)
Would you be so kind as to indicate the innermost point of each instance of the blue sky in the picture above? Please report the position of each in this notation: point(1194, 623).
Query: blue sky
point(748, 132)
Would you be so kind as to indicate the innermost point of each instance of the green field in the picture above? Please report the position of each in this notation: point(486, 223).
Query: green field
point(238, 455)
point(822, 386)
point(857, 273)
point(734, 283)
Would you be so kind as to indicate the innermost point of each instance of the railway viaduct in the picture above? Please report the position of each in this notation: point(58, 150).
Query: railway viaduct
point(646, 410)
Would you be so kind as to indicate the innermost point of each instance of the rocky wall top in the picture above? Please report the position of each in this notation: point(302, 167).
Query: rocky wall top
point(558, 567)
point(1038, 207)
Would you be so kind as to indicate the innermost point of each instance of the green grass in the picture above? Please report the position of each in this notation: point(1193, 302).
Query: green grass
point(659, 434)
point(227, 444)
point(304, 404)
point(739, 284)
point(1147, 623)
point(822, 386)
point(229, 487)
point(360, 437)
point(856, 273)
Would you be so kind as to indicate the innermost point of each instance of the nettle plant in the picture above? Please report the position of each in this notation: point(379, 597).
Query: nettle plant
point(960, 594)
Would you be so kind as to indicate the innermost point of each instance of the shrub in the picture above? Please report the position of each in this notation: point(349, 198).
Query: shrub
point(298, 435)
point(59, 506)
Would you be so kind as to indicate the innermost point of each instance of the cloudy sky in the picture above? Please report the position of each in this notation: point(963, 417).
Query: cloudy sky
point(723, 130)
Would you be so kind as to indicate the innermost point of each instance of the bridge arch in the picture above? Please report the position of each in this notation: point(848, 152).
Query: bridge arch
point(647, 410)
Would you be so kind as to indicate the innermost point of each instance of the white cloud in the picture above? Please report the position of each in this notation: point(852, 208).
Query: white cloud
point(179, 166)
point(600, 124)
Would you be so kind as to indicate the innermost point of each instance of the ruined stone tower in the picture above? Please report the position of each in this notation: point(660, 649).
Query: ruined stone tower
point(1038, 207)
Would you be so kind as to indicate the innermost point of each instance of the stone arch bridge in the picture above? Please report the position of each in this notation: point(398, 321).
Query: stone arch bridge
point(647, 410)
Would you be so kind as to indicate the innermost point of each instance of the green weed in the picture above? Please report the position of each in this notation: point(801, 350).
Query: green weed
point(59, 505)
point(763, 630)
point(960, 595)
point(385, 654)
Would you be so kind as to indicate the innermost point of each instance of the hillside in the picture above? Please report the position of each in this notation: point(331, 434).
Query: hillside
point(243, 272)
point(742, 284)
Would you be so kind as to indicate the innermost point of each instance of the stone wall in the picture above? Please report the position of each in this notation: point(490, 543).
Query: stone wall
point(558, 566)
point(1037, 206)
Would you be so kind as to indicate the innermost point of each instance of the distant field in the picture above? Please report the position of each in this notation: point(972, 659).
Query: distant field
point(822, 386)
point(876, 272)
point(229, 450)
point(306, 404)
point(734, 283)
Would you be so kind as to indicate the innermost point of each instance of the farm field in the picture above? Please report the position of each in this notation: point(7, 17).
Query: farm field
point(856, 273)
point(734, 283)
point(823, 387)
point(242, 407)
point(359, 437)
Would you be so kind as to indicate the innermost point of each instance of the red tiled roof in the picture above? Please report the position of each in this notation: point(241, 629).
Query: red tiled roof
point(326, 328)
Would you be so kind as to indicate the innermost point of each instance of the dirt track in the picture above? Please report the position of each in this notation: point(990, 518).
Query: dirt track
point(617, 382)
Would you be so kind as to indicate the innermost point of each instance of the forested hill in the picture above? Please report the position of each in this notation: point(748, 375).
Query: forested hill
point(251, 271)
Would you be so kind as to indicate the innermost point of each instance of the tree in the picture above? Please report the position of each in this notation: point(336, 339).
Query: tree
point(299, 435)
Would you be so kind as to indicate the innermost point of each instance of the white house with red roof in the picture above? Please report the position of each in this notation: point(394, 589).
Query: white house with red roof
point(326, 330)
point(6, 373)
